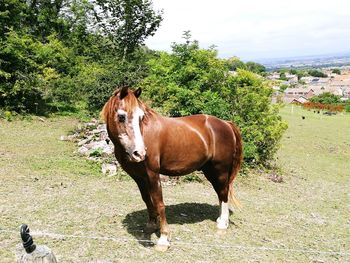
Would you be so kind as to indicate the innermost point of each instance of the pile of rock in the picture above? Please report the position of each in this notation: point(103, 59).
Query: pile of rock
point(93, 143)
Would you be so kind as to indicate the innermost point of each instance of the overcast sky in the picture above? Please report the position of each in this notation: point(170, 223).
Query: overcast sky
point(256, 29)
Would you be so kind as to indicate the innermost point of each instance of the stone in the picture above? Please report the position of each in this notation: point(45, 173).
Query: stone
point(83, 150)
point(82, 142)
point(42, 254)
point(63, 138)
point(31, 253)
point(109, 168)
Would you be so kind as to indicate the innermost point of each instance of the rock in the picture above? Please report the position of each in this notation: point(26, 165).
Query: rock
point(42, 254)
point(71, 137)
point(95, 131)
point(31, 253)
point(164, 178)
point(82, 142)
point(83, 150)
point(109, 168)
point(63, 138)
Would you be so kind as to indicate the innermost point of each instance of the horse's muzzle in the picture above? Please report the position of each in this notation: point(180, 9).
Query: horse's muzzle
point(138, 156)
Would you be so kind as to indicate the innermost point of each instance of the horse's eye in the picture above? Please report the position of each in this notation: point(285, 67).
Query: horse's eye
point(121, 117)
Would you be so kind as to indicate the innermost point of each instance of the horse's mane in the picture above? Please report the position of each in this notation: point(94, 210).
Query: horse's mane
point(130, 102)
point(147, 110)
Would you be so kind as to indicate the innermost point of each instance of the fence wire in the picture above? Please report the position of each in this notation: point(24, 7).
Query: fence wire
point(183, 243)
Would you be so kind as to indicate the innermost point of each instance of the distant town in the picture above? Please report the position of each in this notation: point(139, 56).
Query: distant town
point(321, 61)
point(299, 86)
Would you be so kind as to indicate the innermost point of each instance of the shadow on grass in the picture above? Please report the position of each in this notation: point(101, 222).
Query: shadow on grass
point(186, 213)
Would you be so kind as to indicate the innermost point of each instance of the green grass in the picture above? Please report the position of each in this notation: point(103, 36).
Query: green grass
point(46, 185)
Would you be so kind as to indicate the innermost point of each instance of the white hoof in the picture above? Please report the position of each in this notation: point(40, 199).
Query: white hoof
point(163, 244)
point(222, 224)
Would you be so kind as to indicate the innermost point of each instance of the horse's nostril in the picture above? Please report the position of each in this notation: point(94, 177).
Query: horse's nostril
point(136, 153)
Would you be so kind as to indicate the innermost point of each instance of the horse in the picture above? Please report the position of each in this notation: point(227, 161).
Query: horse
point(147, 144)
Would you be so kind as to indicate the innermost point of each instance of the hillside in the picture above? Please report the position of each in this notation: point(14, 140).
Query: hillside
point(84, 217)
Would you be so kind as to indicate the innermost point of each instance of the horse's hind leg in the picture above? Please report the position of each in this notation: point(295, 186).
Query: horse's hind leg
point(219, 178)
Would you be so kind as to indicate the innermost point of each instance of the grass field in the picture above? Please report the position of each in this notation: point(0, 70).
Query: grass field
point(306, 218)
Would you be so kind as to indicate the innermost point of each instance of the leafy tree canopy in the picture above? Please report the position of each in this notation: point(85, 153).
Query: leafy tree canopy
point(192, 80)
point(326, 98)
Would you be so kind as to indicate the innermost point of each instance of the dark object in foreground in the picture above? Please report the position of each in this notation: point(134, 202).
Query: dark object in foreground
point(33, 253)
point(27, 239)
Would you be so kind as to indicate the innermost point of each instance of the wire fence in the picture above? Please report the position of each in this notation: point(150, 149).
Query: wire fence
point(184, 243)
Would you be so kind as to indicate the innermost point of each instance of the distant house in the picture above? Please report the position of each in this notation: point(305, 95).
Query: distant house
point(343, 77)
point(346, 93)
point(340, 83)
point(306, 80)
point(274, 76)
point(319, 89)
point(300, 100)
point(297, 92)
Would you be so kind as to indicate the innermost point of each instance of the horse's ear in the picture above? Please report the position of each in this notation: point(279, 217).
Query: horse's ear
point(137, 92)
point(123, 92)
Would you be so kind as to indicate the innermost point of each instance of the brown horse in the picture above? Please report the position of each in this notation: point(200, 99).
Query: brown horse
point(148, 144)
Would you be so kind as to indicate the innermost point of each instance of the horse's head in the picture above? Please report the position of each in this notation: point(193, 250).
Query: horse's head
point(123, 114)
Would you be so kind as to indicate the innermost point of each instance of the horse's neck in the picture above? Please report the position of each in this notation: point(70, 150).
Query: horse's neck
point(153, 120)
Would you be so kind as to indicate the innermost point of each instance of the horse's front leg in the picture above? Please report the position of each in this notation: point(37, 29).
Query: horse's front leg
point(143, 185)
point(157, 198)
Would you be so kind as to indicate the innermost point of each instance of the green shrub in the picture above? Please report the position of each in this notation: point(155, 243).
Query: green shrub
point(347, 107)
point(258, 119)
point(317, 73)
point(326, 98)
point(193, 80)
point(100, 86)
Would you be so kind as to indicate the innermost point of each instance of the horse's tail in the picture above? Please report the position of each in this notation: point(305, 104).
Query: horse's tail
point(236, 165)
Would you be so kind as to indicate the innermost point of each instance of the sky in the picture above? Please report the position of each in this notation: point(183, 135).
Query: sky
point(253, 29)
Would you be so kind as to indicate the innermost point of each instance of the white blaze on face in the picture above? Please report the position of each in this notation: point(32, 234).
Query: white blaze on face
point(135, 122)
point(126, 139)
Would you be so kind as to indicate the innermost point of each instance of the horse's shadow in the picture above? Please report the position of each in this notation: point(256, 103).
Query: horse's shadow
point(186, 213)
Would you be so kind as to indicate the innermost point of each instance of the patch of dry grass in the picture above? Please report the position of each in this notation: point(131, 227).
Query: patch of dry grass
point(44, 184)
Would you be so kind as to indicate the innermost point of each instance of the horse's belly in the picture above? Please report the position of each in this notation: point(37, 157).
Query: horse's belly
point(181, 165)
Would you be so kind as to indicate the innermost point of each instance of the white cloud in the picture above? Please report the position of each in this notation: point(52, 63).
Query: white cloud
point(256, 29)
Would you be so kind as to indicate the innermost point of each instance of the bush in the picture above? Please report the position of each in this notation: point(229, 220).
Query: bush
point(100, 84)
point(347, 107)
point(317, 73)
point(326, 98)
point(259, 121)
point(34, 73)
point(193, 80)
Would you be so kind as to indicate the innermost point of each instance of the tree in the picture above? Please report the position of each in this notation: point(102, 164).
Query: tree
point(11, 15)
point(316, 73)
point(283, 76)
point(261, 126)
point(235, 63)
point(326, 98)
point(192, 80)
point(127, 23)
point(45, 17)
point(52, 55)
point(336, 71)
point(255, 67)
